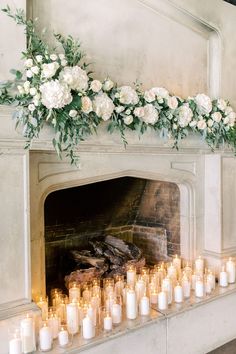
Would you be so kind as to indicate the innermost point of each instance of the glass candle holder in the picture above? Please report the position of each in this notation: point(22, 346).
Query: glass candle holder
point(42, 303)
point(86, 292)
point(116, 310)
point(65, 339)
point(88, 328)
point(15, 342)
point(45, 337)
point(54, 323)
point(61, 307)
point(119, 284)
point(105, 319)
point(74, 291)
point(27, 327)
point(131, 274)
point(55, 294)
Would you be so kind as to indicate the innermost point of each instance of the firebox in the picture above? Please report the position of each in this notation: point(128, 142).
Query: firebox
point(143, 212)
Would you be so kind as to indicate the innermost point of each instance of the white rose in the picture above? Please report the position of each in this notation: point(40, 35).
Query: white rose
point(204, 103)
point(231, 116)
point(201, 124)
point(62, 56)
point(31, 107)
point(193, 123)
point(172, 102)
point(127, 95)
point(150, 114)
point(221, 104)
point(55, 94)
point(103, 106)
point(160, 92)
point(39, 58)
point(149, 96)
point(175, 126)
point(128, 120)
point(33, 91)
point(119, 109)
point(139, 112)
point(21, 90)
point(53, 57)
point(36, 102)
point(185, 115)
point(108, 85)
point(226, 120)
point(228, 109)
point(26, 86)
point(29, 74)
point(87, 106)
point(75, 77)
point(160, 100)
point(49, 70)
point(96, 86)
point(216, 117)
point(128, 112)
point(210, 123)
point(73, 113)
point(63, 62)
point(28, 63)
point(35, 70)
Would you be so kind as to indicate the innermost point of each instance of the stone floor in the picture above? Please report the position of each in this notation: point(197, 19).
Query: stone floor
point(228, 348)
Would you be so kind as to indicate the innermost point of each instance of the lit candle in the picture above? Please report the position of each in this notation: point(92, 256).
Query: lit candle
point(144, 306)
point(177, 262)
point(199, 265)
point(131, 304)
point(211, 279)
point(154, 297)
point(140, 287)
point(208, 287)
point(193, 281)
point(131, 275)
point(162, 300)
point(186, 286)
point(88, 331)
point(230, 269)
point(54, 324)
point(167, 286)
point(107, 322)
point(74, 292)
point(63, 337)
point(171, 271)
point(116, 313)
point(119, 285)
point(188, 270)
point(72, 317)
point(178, 293)
point(43, 304)
point(92, 313)
point(199, 287)
point(86, 295)
point(27, 335)
point(15, 345)
point(45, 338)
point(223, 278)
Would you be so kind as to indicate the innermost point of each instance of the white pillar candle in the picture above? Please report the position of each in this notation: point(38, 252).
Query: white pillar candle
point(230, 269)
point(178, 294)
point(45, 338)
point(61, 311)
point(199, 288)
point(154, 297)
point(107, 323)
point(131, 276)
point(177, 262)
point(43, 304)
point(63, 337)
point(140, 287)
point(188, 270)
point(193, 281)
point(186, 286)
point(131, 304)
point(15, 346)
point(88, 331)
point(72, 317)
point(86, 295)
point(199, 265)
point(74, 293)
point(144, 306)
point(27, 335)
point(172, 272)
point(92, 313)
point(116, 313)
point(54, 325)
point(162, 300)
point(119, 285)
point(167, 286)
point(211, 279)
point(208, 287)
point(223, 278)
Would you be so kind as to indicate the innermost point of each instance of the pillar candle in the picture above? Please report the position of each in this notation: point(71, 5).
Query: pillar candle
point(162, 300)
point(92, 313)
point(15, 346)
point(154, 297)
point(63, 337)
point(199, 265)
point(119, 285)
point(43, 304)
point(167, 286)
point(54, 325)
point(186, 286)
point(199, 288)
point(140, 287)
point(144, 306)
point(45, 338)
point(131, 304)
point(208, 286)
point(171, 271)
point(27, 335)
point(74, 293)
point(188, 270)
point(193, 281)
point(223, 278)
point(86, 295)
point(88, 331)
point(211, 279)
point(72, 317)
point(116, 313)
point(178, 294)
point(230, 269)
point(131, 276)
point(177, 262)
point(107, 323)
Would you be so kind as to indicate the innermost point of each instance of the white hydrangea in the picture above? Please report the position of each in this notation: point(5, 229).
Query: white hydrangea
point(204, 103)
point(221, 104)
point(149, 96)
point(55, 94)
point(217, 116)
point(127, 95)
point(150, 114)
point(103, 106)
point(185, 115)
point(87, 106)
point(160, 92)
point(172, 102)
point(75, 77)
point(49, 70)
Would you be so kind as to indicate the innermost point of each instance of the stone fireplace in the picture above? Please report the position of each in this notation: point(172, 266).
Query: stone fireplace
point(204, 217)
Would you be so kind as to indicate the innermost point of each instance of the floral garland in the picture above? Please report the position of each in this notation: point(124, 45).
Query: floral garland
point(57, 89)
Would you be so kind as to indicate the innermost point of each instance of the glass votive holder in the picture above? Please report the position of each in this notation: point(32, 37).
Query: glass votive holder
point(105, 319)
point(45, 337)
point(131, 274)
point(65, 339)
point(27, 328)
point(55, 294)
point(61, 307)
point(42, 303)
point(15, 342)
point(119, 284)
point(86, 292)
point(54, 323)
point(88, 328)
point(74, 291)
point(116, 310)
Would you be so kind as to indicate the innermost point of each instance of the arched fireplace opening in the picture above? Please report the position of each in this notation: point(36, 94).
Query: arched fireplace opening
point(140, 211)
